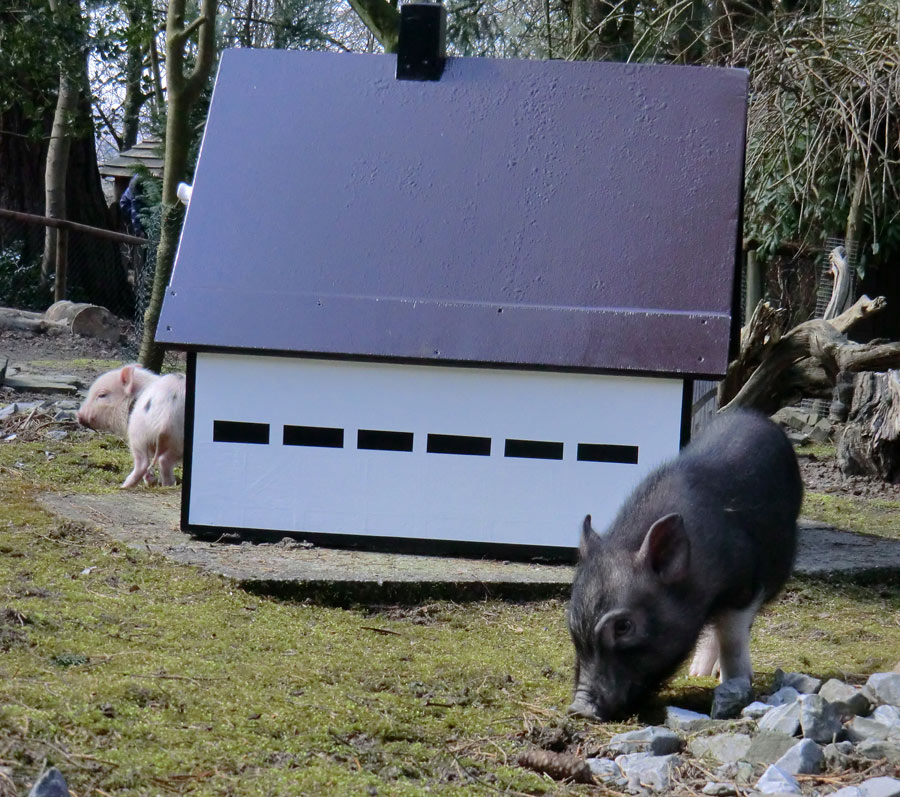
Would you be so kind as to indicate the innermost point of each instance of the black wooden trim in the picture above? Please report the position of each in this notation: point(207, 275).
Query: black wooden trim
point(602, 452)
point(687, 406)
point(241, 432)
point(189, 401)
point(315, 436)
point(378, 440)
point(404, 545)
point(532, 449)
point(459, 444)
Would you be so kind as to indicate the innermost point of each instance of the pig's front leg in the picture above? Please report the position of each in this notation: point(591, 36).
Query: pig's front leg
point(733, 635)
point(706, 654)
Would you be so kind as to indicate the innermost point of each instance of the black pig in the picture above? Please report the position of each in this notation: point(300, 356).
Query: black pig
point(705, 539)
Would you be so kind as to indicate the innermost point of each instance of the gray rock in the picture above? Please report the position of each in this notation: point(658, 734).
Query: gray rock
point(787, 694)
point(774, 781)
point(16, 407)
point(720, 789)
point(860, 729)
point(644, 771)
point(604, 769)
point(756, 710)
point(653, 739)
point(848, 699)
point(783, 719)
point(768, 746)
point(725, 748)
point(50, 784)
point(805, 684)
point(740, 772)
point(819, 720)
point(878, 749)
point(793, 418)
point(838, 755)
point(885, 687)
point(729, 697)
point(680, 719)
point(57, 434)
point(804, 758)
point(888, 715)
point(874, 787)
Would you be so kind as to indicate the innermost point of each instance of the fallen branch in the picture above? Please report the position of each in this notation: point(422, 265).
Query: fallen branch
point(805, 360)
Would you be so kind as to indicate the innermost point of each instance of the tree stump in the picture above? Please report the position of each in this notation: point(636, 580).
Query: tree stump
point(870, 443)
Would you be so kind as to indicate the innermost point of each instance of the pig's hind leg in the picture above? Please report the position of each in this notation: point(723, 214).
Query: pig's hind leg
point(166, 459)
point(706, 654)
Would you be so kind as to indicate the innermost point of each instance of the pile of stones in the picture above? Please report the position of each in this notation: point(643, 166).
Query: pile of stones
point(803, 426)
point(833, 733)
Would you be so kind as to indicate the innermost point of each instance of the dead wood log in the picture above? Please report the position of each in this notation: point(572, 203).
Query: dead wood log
point(840, 294)
point(796, 362)
point(64, 316)
point(24, 321)
point(870, 441)
point(762, 331)
point(86, 319)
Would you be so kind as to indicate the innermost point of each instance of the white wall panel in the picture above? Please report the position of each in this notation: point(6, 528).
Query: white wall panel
point(458, 497)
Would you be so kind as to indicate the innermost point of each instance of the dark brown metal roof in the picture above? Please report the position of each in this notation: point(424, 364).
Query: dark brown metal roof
point(532, 213)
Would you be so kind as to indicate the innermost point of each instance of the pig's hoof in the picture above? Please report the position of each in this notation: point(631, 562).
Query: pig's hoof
point(581, 708)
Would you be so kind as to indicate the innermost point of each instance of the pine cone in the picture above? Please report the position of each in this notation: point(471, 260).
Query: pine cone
point(559, 766)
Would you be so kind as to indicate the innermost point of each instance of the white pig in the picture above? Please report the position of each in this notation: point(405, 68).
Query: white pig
point(111, 397)
point(147, 410)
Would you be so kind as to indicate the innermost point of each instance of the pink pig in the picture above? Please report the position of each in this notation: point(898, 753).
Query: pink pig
point(148, 410)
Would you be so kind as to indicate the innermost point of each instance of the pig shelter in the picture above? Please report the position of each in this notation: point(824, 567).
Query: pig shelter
point(454, 315)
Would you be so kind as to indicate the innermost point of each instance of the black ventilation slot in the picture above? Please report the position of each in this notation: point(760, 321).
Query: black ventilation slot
point(592, 452)
point(459, 444)
point(533, 449)
point(316, 436)
point(375, 440)
point(240, 432)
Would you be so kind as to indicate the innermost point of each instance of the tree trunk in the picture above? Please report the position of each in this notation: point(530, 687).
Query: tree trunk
point(58, 159)
point(134, 68)
point(95, 269)
point(854, 214)
point(870, 442)
point(183, 91)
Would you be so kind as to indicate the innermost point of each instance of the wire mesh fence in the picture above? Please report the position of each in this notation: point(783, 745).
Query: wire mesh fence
point(110, 269)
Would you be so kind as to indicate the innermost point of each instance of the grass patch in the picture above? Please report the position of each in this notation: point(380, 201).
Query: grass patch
point(820, 451)
point(865, 515)
point(85, 461)
point(138, 676)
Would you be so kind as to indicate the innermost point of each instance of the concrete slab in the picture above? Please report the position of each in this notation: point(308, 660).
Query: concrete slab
point(54, 384)
point(149, 520)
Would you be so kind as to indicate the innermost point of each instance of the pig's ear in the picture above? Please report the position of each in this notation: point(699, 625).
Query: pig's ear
point(589, 539)
point(666, 549)
point(127, 377)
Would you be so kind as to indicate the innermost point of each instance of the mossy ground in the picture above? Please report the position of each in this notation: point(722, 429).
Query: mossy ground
point(137, 676)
